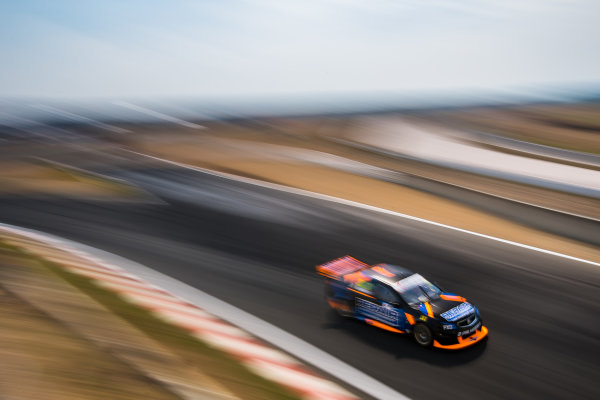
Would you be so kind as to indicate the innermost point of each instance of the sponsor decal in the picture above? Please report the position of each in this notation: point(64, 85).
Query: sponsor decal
point(383, 314)
point(468, 332)
point(368, 286)
point(458, 312)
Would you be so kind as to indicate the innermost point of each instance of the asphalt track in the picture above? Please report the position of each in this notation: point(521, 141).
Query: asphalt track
point(256, 248)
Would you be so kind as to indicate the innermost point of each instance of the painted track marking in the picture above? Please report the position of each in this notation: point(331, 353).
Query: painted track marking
point(333, 199)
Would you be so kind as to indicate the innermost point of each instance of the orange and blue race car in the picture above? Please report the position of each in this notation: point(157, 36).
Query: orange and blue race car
point(398, 300)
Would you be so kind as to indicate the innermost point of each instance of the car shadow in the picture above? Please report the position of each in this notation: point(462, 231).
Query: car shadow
point(402, 346)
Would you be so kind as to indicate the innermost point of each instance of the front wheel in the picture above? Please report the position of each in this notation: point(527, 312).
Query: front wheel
point(422, 335)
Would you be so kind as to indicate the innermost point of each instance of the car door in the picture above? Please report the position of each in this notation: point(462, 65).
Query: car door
point(382, 305)
point(364, 299)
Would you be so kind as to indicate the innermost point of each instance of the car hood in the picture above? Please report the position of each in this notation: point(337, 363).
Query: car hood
point(449, 310)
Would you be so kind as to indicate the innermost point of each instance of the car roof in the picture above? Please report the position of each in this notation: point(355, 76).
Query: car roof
point(388, 273)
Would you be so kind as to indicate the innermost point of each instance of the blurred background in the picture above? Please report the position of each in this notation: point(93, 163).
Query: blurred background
point(199, 138)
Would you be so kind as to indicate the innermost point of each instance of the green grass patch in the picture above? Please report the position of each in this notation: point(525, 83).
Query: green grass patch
point(212, 362)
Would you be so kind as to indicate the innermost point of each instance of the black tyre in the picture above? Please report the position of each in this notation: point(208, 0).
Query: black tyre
point(344, 310)
point(346, 313)
point(422, 335)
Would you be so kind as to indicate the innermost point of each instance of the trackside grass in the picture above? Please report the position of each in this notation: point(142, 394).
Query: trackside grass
point(215, 364)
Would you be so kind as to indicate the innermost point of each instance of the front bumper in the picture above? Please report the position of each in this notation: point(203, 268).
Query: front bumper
point(465, 341)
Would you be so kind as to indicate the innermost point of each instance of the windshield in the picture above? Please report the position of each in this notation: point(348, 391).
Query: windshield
point(416, 290)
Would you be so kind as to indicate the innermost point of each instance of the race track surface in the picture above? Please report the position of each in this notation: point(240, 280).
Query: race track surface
point(256, 248)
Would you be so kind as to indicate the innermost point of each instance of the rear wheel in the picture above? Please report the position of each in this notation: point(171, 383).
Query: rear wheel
point(423, 335)
point(342, 307)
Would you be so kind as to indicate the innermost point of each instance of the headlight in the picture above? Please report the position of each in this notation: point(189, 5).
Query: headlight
point(448, 327)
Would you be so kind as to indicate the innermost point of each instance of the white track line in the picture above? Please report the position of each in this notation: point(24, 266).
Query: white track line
point(158, 115)
point(307, 193)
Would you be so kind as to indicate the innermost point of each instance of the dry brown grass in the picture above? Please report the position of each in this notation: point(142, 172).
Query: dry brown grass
point(41, 178)
point(114, 337)
point(43, 359)
point(574, 127)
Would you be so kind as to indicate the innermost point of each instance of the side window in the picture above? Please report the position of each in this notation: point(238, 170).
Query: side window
point(364, 286)
point(385, 293)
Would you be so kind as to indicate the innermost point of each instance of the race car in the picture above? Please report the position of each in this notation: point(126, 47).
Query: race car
point(399, 300)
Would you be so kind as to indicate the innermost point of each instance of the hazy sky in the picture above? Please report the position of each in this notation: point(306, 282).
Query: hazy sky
point(135, 48)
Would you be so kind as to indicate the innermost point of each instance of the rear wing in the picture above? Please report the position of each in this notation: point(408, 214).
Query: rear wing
point(337, 268)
